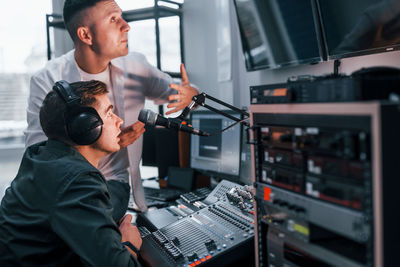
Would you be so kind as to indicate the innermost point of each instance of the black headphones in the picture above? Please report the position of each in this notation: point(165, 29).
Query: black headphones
point(82, 124)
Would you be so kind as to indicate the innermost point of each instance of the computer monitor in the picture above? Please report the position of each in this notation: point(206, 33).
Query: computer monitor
point(360, 27)
point(280, 33)
point(217, 155)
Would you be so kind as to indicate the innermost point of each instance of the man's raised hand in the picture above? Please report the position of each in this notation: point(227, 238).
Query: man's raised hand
point(185, 93)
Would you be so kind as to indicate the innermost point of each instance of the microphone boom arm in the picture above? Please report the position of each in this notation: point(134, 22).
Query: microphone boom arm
point(200, 99)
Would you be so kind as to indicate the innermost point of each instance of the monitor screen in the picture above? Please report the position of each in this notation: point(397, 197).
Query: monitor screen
point(252, 36)
point(218, 154)
point(359, 27)
point(278, 33)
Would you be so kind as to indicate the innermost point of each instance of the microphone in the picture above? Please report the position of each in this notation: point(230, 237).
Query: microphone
point(149, 117)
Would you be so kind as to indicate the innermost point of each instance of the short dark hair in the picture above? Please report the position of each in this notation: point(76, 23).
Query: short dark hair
point(53, 108)
point(71, 11)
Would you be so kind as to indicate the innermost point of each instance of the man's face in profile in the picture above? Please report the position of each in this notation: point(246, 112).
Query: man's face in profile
point(109, 30)
point(109, 140)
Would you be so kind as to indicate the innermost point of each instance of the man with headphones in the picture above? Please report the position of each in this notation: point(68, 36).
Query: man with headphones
point(57, 210)
point(100, 38)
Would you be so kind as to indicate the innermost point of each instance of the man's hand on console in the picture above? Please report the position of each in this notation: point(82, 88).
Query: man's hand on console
point(131, 133)
point(130, 233)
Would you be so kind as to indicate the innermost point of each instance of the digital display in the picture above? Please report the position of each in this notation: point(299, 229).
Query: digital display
point(211, 146)
point(276, 92)
point(218, 154)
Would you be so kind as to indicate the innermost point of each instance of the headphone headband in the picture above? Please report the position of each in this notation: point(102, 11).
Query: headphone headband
point(63, 89)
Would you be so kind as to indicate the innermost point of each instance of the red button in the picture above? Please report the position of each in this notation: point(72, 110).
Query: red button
point(208, 257)
point(203, 259)
point(267, 192)
point(198, 262)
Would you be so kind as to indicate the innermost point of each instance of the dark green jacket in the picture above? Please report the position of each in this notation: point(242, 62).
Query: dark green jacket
point(57, 212)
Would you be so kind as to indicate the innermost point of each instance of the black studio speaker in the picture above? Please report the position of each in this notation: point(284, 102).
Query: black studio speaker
point(166, 148)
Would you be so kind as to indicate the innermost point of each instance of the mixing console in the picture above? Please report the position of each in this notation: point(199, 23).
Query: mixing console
point(224, 227)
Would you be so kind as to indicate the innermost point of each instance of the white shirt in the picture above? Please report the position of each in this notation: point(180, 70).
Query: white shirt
point(132, 80)
point(104, 76)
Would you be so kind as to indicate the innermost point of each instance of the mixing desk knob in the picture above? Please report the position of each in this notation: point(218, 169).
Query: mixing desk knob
point(276, 201)
point(283, 203)
point(192, 257)
point(210, 244)
point(176, 241)
point(300, 209)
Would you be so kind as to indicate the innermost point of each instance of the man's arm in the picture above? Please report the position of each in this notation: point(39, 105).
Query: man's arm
point(159, 87)
point(130, 234)
point(82, 218)
point(38, 91)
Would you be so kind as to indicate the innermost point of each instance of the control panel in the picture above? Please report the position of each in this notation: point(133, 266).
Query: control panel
point(223, 227)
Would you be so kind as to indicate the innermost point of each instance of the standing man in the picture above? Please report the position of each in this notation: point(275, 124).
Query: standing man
point(99, 34)
point(57, 211)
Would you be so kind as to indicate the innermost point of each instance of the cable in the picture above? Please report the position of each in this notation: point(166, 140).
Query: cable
point(230, 126)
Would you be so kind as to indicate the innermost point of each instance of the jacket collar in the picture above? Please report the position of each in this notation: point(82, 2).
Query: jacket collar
point(63, 148)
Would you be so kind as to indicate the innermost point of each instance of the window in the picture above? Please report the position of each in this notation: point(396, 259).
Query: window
point(22, 52)
point(131, 4)
point(142, 39)
point(170, 40)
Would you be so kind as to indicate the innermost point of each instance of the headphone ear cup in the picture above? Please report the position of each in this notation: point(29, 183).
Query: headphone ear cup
point(84, 125)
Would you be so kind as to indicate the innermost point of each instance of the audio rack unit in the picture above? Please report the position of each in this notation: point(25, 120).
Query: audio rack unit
point(326, 180)
point(363, 85)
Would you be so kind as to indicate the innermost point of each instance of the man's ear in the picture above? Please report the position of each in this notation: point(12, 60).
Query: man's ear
point(84, 35)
